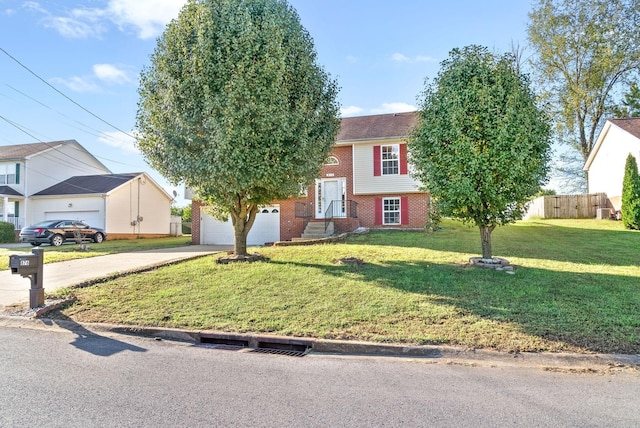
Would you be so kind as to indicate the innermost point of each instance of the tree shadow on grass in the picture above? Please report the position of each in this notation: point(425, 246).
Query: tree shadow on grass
point(91, 342)
point(593, 312)
point(533, 241)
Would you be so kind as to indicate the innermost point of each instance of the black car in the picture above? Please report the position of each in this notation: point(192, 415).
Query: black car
point(56, 232)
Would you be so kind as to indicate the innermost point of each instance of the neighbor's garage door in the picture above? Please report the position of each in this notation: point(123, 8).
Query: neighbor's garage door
point(92, 218)
point(266, 228)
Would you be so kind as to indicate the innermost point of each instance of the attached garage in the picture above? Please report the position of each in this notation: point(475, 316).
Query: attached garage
point(265, 229)
point(91, 217)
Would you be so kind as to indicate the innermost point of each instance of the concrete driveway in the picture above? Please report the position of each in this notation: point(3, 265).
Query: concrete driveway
point(15, 288)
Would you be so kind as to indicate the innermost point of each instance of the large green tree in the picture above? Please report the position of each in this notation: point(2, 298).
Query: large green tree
point(585, 49)
point(631, 194)
point(235, 105)
point(481, 146)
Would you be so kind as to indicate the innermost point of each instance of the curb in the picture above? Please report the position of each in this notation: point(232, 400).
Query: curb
point(572, 362)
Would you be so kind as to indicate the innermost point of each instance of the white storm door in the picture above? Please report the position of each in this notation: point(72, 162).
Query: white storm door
point(328, 192)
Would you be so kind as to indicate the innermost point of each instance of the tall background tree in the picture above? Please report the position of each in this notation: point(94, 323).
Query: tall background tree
point(481, 147)
point(630, 106)
point(631, 194)
point(585, 50)
point(235, 106)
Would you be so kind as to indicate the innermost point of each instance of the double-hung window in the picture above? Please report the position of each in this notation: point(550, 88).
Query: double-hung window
point(8, 174)
point(391, 210)
point(390, 158)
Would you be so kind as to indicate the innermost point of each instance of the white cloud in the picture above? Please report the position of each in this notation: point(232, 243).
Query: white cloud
point(400, 57)
point(119, 140)
point(397, 107)
point(110, 73)
point(77, 84)
point(350, 111)
point(352, 59)
point(148, 17)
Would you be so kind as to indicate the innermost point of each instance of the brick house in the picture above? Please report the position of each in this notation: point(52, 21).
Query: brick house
point(366, 182)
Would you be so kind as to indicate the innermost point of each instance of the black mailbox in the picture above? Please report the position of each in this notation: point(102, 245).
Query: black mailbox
point(23, 264)
point(30, 266)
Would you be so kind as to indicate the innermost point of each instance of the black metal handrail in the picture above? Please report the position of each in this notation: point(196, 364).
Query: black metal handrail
point(340, 209)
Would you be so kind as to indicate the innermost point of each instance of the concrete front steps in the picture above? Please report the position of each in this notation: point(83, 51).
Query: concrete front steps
point(315, 230)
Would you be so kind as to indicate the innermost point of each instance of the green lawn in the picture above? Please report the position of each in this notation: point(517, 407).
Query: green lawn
point(576, 287)
point(70, 251)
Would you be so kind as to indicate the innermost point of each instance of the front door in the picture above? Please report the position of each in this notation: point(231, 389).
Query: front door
point(330, 195)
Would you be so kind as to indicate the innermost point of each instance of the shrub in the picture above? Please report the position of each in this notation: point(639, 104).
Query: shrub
point(7, 232)
point(631, 194)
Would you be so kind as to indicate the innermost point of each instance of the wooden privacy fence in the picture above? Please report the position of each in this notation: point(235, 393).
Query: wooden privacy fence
point(567, 206)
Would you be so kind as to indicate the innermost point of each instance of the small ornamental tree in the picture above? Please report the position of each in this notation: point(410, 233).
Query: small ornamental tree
point(631, 194)
point(235, 106)
point(481, 146)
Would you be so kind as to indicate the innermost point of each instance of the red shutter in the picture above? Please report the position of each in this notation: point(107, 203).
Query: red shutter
point(376, 162)
point(378, 212)
point(404, 210)
point(403, 159)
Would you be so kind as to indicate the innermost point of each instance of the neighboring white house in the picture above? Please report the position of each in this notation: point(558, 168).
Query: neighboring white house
point(605, 164)
point(26, 169)
point(125, 205)
point(61, 180)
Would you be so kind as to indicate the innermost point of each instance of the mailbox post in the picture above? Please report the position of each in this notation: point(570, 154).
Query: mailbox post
point(30, 266)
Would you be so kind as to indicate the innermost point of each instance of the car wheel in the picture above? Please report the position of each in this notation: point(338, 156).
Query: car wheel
point(98, 238)
point(57, 240)
point(35, 244)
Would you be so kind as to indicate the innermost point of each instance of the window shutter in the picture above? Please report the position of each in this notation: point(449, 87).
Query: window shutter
point(376, 162)
point(403, 159)
point(17, 174)
point(378, 212)
point(404, 210)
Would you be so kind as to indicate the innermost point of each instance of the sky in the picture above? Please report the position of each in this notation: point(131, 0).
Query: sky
point(69, 70)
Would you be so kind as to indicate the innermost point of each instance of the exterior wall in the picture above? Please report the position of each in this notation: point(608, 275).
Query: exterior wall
point(366, 183)
point(53, 166)
point(139, 197)
point(56, 165)
point(606, 172)
point(69, 207)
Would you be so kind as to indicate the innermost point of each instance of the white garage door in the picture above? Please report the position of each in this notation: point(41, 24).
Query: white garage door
point(92, 218)
point(266, 228)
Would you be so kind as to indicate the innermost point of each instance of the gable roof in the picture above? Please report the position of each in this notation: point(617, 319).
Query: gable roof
point(21, 151)
point(630, 125)
point(6, 190)
point(88, 184)
point(380, 126)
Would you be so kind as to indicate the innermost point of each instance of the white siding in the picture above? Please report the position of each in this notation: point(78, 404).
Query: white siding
point(607, 169)
point(124, 206)
point(365, 183)
point(58, 164)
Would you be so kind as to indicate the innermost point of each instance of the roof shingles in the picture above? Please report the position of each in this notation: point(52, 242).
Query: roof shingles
point(377, 126)
point(88, 184)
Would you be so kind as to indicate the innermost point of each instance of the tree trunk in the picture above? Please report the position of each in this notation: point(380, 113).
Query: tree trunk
point(485, 236)
point(242, 218)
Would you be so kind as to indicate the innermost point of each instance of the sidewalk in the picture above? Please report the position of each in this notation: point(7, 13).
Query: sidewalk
point(15, 288)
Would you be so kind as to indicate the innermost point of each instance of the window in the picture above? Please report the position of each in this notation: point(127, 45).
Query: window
point(8, 174)
point(332, 160)
point(390, 159)
point(391, 211)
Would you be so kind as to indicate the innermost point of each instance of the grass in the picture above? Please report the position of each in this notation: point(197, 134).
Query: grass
point(70, 251)
point(576, 287)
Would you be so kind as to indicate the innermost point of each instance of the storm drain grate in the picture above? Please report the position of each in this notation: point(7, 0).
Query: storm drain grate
point(273, 348)
point(286, 352)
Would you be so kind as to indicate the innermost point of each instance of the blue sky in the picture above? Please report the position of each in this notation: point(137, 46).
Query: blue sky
point(92, 52)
